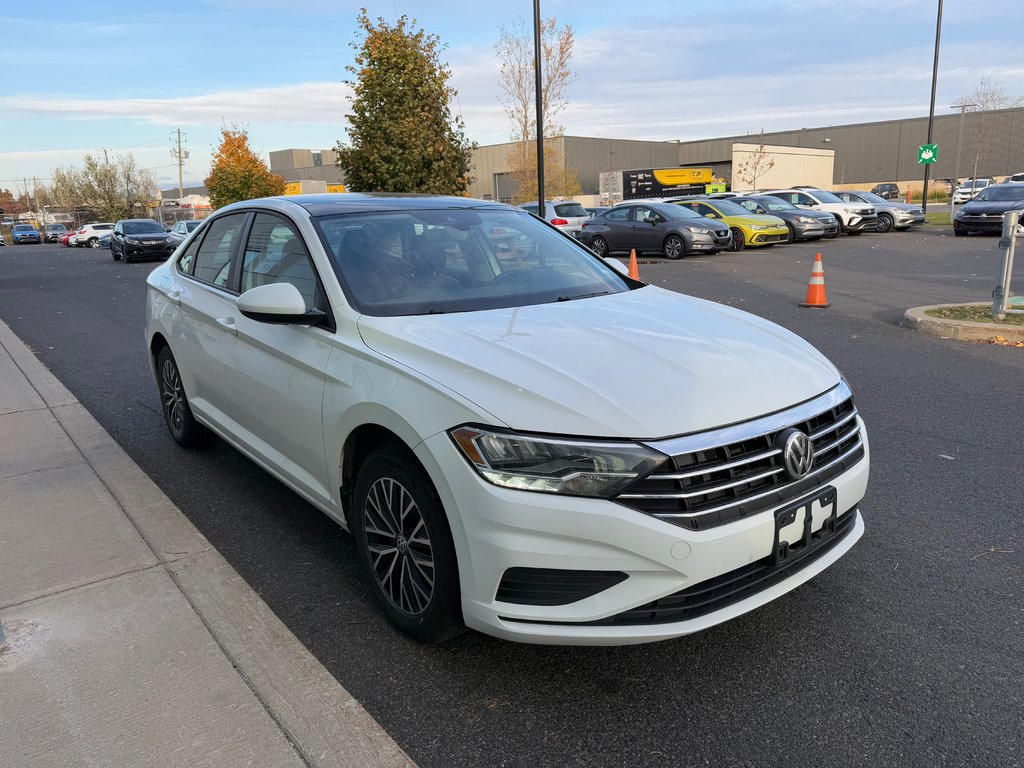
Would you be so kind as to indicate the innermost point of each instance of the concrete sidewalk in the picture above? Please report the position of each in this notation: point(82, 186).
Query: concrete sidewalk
point(129, 640)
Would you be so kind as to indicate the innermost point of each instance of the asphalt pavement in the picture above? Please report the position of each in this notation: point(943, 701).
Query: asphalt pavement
point(906, 652)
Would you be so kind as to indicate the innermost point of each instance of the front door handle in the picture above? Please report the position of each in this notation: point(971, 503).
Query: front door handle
point(228, 324)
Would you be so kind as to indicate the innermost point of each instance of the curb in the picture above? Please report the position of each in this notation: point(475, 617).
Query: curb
point(916, 319)
point(322, 721)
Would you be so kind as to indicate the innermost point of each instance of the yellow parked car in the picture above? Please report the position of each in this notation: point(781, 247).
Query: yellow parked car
point(748, 228)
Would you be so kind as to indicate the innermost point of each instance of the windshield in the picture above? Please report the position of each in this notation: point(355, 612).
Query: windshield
point(774, 203)
point(728, 208)
point(826, 197)
point(976, 184)
point(676, 211)
point(871, 197)
point(1001, 194)
point(141, 228)
point(436, 261)
point(23, 228)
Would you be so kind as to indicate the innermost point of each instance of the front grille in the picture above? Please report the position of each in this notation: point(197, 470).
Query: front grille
point(717, 477)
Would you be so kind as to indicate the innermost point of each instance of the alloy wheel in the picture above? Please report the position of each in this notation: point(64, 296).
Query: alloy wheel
point(172, 396)
point(399, 546)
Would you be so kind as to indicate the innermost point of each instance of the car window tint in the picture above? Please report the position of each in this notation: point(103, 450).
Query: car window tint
point(213, 259)
point(752, 206)
point(276, 253)
point(802, 199)
point(569, 209)
point(704, 210)
point(188, 258)
point(617, 214)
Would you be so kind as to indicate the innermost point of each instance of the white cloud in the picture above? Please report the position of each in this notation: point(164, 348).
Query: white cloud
point(323, 102)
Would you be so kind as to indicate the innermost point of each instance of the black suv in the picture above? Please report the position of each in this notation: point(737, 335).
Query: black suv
point(887, 190)
point(140, 238)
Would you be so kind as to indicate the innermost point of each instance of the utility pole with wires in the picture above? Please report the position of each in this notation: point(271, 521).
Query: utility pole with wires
point(180, 155)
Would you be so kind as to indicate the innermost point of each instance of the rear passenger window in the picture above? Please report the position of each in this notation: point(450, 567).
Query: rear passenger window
point(213, 259)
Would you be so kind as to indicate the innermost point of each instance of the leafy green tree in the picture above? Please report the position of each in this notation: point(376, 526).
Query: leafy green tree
point(402, 134)
point(237, 173)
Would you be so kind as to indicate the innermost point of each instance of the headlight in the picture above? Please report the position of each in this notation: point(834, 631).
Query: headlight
point(853, 211)
point(699, 230)
point(554, 465)
point(806, 219)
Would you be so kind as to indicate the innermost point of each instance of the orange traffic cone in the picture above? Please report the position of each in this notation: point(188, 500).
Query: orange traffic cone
point(816, 288)
point(634, 270)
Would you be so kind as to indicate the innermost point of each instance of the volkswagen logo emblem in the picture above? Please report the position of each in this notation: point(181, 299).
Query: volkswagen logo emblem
point(797, 452)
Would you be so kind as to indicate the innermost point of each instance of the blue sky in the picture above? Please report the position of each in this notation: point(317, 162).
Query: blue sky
point(122, 76)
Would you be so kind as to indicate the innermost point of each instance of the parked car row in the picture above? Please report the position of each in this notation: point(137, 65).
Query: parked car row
point(731, 221)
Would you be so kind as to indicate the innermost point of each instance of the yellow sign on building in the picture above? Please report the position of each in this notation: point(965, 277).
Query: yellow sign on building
point(293, 188)
point(674, 176)
point(335, 187)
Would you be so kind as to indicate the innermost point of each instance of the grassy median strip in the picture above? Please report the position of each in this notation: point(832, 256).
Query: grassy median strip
point(975, 313)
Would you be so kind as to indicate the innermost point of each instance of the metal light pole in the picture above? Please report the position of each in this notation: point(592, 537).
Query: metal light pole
point(959, 144)
point(540, 116)
point(931, 108)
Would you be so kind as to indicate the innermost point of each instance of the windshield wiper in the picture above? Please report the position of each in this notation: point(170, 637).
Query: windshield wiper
point(583, 296)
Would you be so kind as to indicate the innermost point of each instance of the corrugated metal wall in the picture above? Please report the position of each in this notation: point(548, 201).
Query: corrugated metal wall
point(887, 151)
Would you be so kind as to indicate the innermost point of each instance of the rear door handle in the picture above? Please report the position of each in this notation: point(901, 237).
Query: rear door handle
point(228, 324)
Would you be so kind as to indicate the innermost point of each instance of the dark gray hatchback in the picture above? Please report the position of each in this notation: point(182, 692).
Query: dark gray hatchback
point(654, 227)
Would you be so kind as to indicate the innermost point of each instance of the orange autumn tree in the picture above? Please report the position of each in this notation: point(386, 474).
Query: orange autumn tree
point(238, 173)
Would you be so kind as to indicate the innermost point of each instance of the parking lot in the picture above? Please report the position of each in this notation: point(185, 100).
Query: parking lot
point(906, 652)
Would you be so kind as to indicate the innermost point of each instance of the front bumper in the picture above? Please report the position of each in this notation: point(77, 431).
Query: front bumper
point(710, 242)
point(26, 239)
point(498, 529)
point(992, 223)
point(857, 223)
point(767, 236)
point(138, 251)
point(906, 219)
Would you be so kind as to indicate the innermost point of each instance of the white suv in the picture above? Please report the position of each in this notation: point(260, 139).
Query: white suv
point(90, 235)
point(970, 189)
point(854, 218)
point(567, 215)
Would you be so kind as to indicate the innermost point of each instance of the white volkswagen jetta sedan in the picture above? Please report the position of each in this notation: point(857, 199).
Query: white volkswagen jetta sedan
point(520, 438)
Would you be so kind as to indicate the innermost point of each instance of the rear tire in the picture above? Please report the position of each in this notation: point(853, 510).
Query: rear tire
point(405, 546)
point(186, 431)
point(599, 246)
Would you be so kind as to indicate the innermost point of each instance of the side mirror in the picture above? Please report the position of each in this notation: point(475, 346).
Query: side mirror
point(710, 215)
point(279, 304)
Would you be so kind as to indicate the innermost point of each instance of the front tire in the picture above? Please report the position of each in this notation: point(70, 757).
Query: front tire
point(674, 247)
point(405, 546)
point(885, 223)
point(186, 431)
point(94, 242)
point(738, 242)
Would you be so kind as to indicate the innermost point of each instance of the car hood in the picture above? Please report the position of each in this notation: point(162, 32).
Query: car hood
point(147, 236)
point(647, 363)
point(995, 206)
point(754, 220)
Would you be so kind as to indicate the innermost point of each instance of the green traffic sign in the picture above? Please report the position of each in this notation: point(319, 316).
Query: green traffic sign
point(927, 153)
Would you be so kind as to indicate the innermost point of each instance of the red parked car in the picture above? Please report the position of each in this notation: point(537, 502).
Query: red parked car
point(63, 239)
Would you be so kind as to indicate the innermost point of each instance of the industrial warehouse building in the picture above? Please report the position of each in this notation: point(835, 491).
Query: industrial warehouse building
point(861, 155)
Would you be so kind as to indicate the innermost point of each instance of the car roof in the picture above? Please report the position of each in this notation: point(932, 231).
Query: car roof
point(330, 203)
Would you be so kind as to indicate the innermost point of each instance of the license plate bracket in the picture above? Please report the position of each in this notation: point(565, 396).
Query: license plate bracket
point(786, 551)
